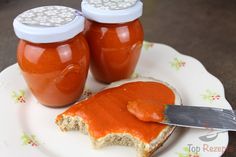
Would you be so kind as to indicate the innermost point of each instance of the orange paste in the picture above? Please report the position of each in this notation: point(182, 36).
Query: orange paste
point(106, 112)
point(114, 48)
point(55, 72)
point(146, 110)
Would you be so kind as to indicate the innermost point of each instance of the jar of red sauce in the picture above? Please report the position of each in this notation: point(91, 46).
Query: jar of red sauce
point(115, 36)
point(52, 54)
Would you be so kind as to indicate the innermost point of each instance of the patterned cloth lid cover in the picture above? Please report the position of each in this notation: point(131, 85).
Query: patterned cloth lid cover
point(112, 11)
point(48, 24)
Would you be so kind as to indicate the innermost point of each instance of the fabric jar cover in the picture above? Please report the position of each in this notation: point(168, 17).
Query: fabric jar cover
point(112, 11)
point(48, 24)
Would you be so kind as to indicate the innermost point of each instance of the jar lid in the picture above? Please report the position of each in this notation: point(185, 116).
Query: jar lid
point(112, 11)
point(48, 24)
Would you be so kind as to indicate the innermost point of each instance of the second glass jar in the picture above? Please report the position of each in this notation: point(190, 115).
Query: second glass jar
point(115, 41)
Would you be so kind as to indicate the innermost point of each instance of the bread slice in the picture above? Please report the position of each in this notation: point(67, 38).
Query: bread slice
point(66, 122)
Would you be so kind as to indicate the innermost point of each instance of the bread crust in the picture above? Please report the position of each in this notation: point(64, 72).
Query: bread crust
point(67, 123)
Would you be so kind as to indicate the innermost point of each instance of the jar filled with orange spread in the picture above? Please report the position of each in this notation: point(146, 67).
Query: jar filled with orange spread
point(52, 54)
point(115, 36)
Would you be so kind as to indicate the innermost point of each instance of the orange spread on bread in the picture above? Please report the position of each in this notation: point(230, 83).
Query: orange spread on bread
point(106, 112)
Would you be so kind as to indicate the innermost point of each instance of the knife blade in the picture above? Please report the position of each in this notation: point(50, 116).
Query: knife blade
point(184, 116)
point(200, 117)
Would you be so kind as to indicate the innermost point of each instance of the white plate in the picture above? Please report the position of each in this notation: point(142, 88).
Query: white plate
point(28, 128)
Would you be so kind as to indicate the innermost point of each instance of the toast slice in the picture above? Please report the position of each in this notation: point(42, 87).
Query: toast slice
point(71, 120)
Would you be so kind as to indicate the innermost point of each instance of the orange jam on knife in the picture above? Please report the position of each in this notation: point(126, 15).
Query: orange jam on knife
point(146, 110)
point(106, 112)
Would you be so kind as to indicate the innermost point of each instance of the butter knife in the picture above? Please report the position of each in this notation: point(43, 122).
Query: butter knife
point(200, 117)
point(185, 116)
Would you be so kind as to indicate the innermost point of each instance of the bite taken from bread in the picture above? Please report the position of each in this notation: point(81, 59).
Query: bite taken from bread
point(104, 116)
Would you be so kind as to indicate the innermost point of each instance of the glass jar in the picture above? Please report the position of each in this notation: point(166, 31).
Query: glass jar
point(53, 54)
point(115, 37)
